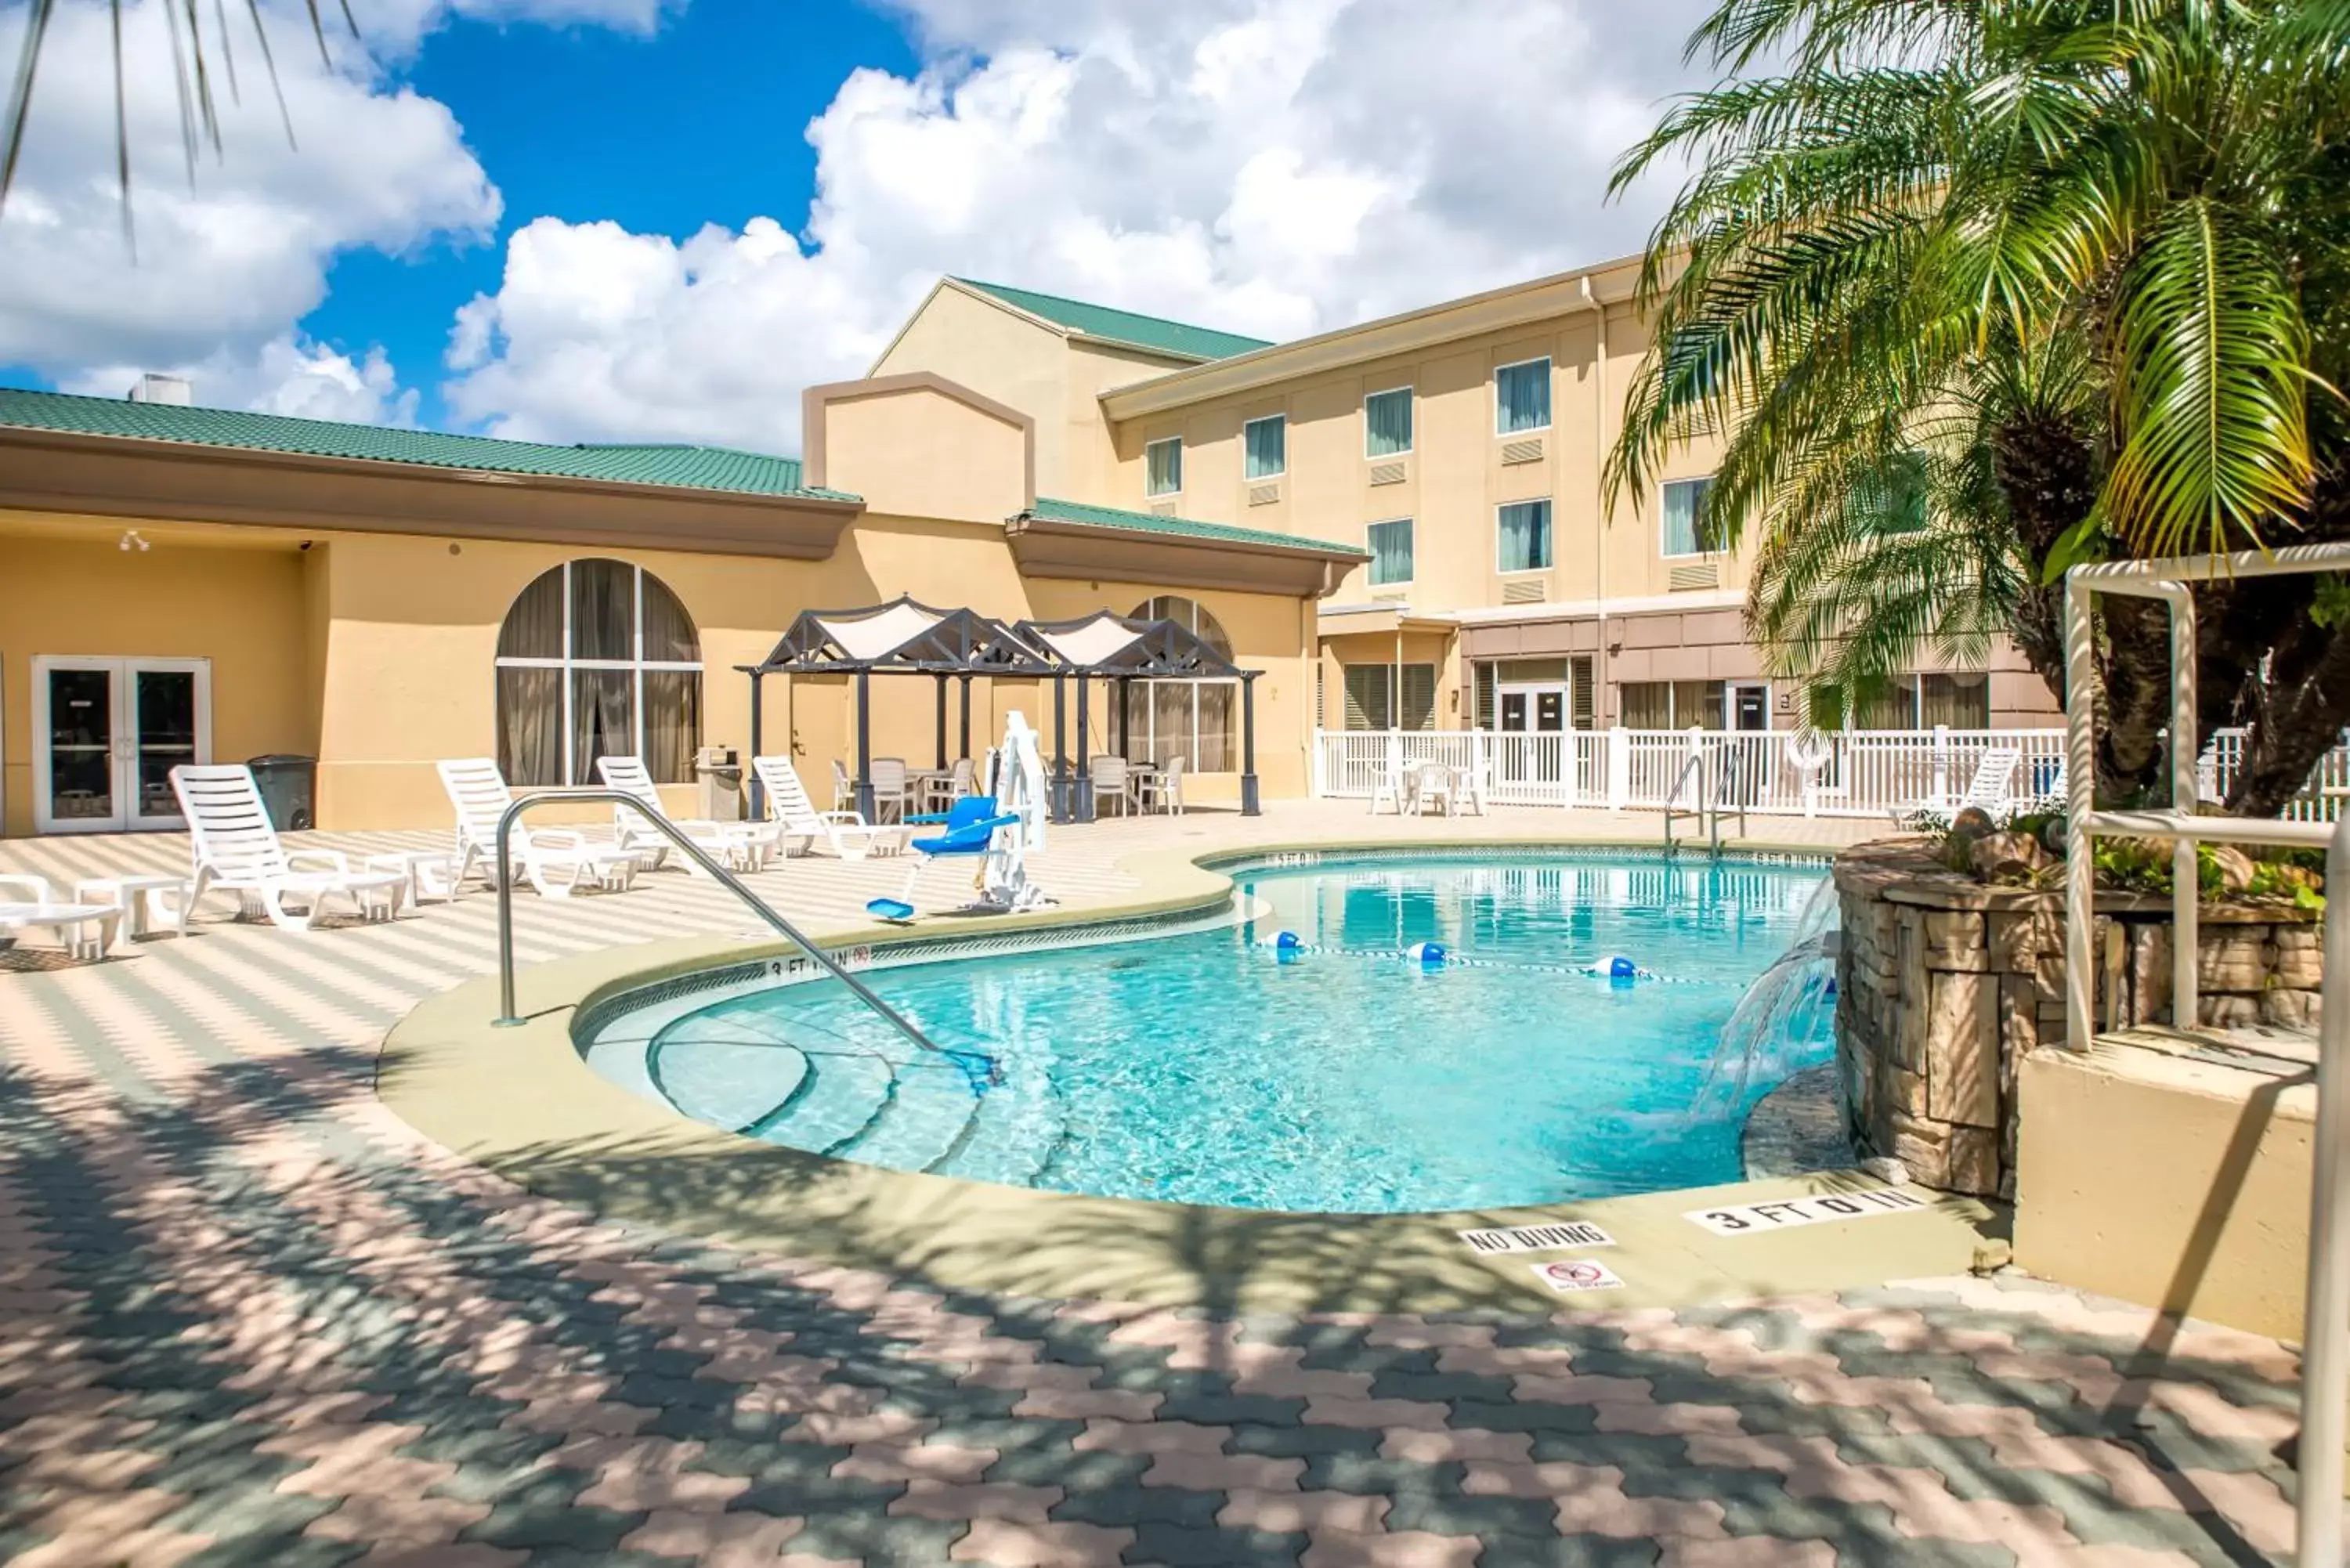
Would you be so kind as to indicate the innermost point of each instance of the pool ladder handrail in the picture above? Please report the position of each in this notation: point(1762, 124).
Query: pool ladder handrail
point(1711, 807)
point(508, 1017)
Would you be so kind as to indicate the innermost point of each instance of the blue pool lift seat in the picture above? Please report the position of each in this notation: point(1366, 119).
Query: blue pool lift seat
point(970, 827)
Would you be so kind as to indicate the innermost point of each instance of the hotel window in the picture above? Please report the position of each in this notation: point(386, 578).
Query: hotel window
point(1162, 461)
point(1390, 547)
point(1957, 701)
point(1672, 704)
point(1266, 441)
point(597, 658)
point(1524, 529)
point(1188, 719)
point(1386, 423)
point(1685, 534)
point(1522, 396)
point(1372, 693)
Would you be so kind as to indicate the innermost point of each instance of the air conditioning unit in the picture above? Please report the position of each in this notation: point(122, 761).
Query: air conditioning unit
point(1162, 509)
point(1529, 451)
point(1525, 590)
point(1699, 575)
point(1387, 473)
point(1264, 494)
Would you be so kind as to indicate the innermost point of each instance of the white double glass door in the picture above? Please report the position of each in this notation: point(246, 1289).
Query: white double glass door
point(107, 733)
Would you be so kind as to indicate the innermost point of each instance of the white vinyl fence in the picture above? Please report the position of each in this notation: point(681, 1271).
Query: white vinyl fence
point(1854, 772)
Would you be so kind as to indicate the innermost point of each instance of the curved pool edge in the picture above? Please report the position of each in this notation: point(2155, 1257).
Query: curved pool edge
point(522, 1103)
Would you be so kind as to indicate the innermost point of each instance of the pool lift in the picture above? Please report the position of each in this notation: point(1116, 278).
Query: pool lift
point(999, 830)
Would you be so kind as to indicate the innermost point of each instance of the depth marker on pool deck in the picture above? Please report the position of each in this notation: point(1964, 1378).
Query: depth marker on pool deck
point(1745, 1218)
point(1537, 1238)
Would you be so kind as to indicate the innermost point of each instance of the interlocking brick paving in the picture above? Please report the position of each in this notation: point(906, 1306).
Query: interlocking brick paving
point(247, 1316)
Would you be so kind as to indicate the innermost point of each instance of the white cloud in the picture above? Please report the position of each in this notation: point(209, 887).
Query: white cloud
point(225, 267)
point(1269, 166)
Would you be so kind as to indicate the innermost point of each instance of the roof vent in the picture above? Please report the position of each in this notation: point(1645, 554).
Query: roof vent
point(155, 389)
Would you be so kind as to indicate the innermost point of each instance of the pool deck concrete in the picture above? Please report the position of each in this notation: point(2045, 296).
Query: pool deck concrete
point(255, 1315)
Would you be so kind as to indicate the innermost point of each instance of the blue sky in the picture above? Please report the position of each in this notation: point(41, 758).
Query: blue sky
point(701, 123)
point(661, 219)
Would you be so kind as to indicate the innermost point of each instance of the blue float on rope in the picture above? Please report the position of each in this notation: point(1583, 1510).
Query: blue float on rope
point(1621, 968)
point(1430, 954)
point(1288, 942)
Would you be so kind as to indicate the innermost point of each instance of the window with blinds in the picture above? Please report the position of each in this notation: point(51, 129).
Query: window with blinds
point(1371, 696)
point(1581, 697)
point(1672, 704)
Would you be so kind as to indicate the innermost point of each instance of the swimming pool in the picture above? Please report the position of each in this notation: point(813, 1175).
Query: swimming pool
point(1210, 1067)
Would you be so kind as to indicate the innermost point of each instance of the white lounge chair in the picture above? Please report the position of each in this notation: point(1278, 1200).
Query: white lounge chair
point(847, 834)
point(1992, 789)
point(237, 850)
point(558, 861)
point(27, 903)
point(739, 846)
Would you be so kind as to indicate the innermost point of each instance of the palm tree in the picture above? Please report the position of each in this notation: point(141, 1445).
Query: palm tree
point(1976, 289)
point(196, 56)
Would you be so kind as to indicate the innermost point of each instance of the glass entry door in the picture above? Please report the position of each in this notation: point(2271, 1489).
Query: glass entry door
point(107, 733)
point(1530, 709)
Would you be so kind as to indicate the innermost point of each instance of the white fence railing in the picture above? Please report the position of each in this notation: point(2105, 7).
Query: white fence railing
point(1853, 773)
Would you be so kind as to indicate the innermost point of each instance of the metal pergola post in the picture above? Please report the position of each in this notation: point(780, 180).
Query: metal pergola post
point(1083, 788)
point(1060, 748)
point(941, 763)
point(1249, 803)
point(2325, 1317)
point(965, 681)
point(758, 794)
point(865, 745)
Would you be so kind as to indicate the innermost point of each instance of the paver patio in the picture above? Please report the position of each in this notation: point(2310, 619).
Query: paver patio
point(248, 1316)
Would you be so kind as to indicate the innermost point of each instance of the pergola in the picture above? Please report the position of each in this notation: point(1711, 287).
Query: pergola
point(904, 637)
point(900, 638)
point(1123, 650)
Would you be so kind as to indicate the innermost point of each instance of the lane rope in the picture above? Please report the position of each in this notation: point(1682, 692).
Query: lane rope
point(1436, 955)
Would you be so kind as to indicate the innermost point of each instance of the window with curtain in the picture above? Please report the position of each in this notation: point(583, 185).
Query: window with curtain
point(597, 658)
point(1525, 528)
point(1163, 463)
point(1685, 532)
point(1960, 701)
point(1386, 423)
point(1390, 547)
point(1375, 700)
point(1672, 704)
point(1522, 396)
point(1198, 720)
point(1266, 447)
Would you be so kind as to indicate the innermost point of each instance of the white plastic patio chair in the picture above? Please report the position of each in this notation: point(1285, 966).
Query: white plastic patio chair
point(1110, 778)
point(891, 794)
point(237, 849)
point(1992, 789)
point(557, 861)
point(1162, 791)
point(27, 903)
point(940, 794)
point(846, 834)
point(1386, 786)
point(739, 846)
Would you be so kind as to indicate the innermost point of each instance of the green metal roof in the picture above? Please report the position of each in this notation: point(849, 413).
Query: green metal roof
point(1047, 510)
point(677, 467)
point(1123, 325)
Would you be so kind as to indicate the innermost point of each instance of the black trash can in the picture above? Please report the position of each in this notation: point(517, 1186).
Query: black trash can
point(289, 790)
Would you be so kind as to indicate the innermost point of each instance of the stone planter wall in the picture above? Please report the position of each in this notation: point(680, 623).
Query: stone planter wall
point(1944, 983)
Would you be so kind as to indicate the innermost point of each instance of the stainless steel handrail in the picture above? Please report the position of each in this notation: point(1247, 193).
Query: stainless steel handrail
point(1696, 765)
point(508, 1017)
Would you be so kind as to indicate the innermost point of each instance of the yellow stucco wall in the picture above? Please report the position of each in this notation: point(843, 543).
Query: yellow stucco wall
point(918, 453)
point(375, 652)
point(68, 590)
point(2154, 1179)
point(1454, 477)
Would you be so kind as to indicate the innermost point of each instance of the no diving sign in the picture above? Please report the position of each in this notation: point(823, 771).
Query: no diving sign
point(1567, 1275)
point(1750, 1219)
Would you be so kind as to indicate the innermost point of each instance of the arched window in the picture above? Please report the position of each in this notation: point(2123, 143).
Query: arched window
point(597, 659)
point(1188, 719)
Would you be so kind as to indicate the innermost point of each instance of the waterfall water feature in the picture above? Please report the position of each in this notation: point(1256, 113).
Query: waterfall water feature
point(1781, 1024)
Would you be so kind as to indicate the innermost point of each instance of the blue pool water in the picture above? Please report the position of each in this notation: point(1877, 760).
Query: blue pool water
point(1205, 1068)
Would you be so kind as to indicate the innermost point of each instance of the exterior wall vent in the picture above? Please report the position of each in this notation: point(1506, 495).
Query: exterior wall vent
point(1389, 598)
point(1387, 473)
point(1701, 575)
point(1525, 590)
point(1264, 494)
point(1162, 509)
point(1522, 450)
